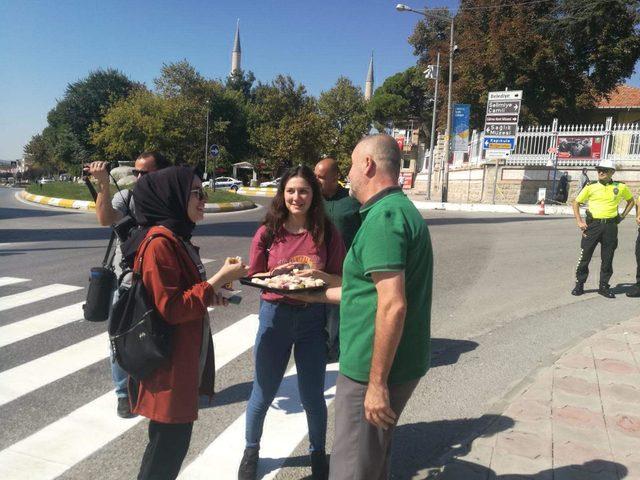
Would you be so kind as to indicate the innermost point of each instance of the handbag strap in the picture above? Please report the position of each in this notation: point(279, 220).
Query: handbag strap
point(107, 261)
point(137, 266)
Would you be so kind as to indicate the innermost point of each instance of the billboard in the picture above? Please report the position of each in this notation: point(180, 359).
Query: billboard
point(579, 147)
point(461, 127)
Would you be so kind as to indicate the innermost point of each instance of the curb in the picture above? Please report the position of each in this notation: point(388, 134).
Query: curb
point(91, 206)
point(258, 191)
point(483, 207)
point(58, 202)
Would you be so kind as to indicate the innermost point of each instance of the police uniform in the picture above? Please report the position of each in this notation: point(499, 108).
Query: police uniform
point(602, 226)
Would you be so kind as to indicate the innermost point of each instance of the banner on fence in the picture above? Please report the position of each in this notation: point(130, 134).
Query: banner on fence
point(579, 147)
point(461, 113)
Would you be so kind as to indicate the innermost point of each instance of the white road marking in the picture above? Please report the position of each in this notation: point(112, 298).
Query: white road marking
point(50, 452)
point(10, 280)
point(14, 332)
point(35, 295)
point(284, 427)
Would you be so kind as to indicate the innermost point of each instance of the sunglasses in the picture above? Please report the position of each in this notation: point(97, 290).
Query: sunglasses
point(604, 170)
point(200, 193)
point(138, 173)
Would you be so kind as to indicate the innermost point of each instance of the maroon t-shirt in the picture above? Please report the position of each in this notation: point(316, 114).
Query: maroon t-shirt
point(294, 247)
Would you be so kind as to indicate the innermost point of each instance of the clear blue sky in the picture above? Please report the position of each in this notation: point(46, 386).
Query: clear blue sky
point(45, 45)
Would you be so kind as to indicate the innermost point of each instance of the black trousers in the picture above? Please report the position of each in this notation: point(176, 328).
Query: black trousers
point(167, 447)
point(638, 258)
point(606, 234)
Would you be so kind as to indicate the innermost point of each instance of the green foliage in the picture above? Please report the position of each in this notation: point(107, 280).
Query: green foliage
point(564, 54)
point(344, 109)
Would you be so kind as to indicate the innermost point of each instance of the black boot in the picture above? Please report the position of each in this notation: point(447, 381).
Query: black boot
point(605, 292)
point(249, 464)
point(634, 291)
point(319, 465)
point(578, 289)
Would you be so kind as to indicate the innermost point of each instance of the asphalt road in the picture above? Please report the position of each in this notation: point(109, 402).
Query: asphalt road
point(502, 309)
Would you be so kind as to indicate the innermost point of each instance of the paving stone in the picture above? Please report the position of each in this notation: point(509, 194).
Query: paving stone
point(523, 444)
point(610, 345)
point(479, 455)
point(632, 470)
point(576, 361)
point(620, 392)
point(587, 374)
point(592, 470)
point(461, 470)
point(505, 464)
point(597, 437)
point(579, 451)
point(612, 365)
point(563, 399)
point(626, 424)
point(574, 385)
point(528, 409)
point(578, 417)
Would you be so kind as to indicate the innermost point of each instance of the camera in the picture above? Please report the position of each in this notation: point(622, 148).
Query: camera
point(124, 226)
point(109, 166)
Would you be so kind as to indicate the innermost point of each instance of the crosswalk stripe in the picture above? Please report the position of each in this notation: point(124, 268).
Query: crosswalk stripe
point(283, 431)
point(11, 280)
point(50, 452)
point(37, 373)
point(14, 332)
point(35, 295)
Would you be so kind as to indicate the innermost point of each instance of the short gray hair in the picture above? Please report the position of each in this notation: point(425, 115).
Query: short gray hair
point(385, 152)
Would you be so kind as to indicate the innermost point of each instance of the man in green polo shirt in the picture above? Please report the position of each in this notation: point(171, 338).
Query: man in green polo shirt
point(343, 210)
point(385, 312)
point(601, 225)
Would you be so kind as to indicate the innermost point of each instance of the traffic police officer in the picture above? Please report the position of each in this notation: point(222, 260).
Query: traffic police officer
point(601, 225)
point(634, 291)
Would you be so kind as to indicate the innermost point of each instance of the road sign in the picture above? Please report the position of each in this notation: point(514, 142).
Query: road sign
point(499, 142)
point(430, 72)
point(497, 153)
point(501, 119)
point(214, 150)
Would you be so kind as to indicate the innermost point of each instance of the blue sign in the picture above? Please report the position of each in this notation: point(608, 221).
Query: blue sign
point(461, 113)
point(499, 142)
point(214, 150)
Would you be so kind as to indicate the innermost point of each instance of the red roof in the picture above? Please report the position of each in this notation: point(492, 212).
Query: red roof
point(625, 96)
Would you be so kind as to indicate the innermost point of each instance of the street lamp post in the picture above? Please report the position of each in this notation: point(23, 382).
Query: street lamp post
point(206, 144)
point(433, 128)
point(444, 168)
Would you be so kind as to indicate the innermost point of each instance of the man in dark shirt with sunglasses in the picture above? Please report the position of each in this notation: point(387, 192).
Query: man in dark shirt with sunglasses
point(109, 211)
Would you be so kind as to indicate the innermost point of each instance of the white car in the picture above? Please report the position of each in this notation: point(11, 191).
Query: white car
point(46, 180)
point(272, 183)
point(225, 182)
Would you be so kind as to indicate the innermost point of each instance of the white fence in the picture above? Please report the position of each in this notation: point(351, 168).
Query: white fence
point(569, 145)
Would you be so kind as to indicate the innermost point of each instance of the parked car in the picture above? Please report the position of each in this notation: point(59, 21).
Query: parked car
point(272, 183)
point(224, 182)
point(46, 180)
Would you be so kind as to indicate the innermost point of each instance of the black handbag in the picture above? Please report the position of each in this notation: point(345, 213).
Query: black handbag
point(140, 338)
point(102, 284)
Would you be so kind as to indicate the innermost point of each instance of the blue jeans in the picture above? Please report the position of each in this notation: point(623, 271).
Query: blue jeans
point(283, 327)
point(118, 375)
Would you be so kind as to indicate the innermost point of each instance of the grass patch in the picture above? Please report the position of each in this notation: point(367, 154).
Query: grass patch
point(79, 191)
point(224, 196)
point(68, 190)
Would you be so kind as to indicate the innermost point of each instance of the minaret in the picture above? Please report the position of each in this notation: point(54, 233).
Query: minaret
point(235, 56)
point(368, 85)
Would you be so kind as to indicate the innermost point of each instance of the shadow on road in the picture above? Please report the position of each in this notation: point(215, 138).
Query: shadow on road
point(446, 351)
point(10, 213)
point(54, 234)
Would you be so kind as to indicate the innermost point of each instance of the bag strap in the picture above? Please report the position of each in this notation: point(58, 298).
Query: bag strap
point(137, 266)
point(109, 255)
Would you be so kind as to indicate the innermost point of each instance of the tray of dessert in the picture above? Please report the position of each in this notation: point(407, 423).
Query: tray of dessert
point(285, 283)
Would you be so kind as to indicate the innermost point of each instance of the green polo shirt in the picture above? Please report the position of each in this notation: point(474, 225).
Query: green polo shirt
point(393, 237)
point(604, 198)
point(344, 212)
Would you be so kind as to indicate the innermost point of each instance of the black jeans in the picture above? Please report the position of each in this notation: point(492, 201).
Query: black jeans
point(167, 447)
point(607, 235)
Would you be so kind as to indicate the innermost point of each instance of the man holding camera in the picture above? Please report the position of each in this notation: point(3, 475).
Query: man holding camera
point(110, 211)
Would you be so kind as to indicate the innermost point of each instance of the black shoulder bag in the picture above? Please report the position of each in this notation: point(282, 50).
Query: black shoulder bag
point(102, 284)
point(140, 338)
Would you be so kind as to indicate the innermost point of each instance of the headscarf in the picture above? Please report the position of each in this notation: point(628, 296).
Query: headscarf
point(161, 198)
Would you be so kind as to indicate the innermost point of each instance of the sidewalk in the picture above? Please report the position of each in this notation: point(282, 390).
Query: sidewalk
point(579, 419)
point(419, 201)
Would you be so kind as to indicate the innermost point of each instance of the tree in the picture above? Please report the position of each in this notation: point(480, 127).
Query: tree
point(84, 103)
point(345, 111)
point(241, 82)
point(179, 78)
point(564, 54)
point(285, 127)
point(402, 98)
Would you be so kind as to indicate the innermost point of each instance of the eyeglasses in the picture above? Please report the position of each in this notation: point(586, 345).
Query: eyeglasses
point(200, 193)
point(138, 173)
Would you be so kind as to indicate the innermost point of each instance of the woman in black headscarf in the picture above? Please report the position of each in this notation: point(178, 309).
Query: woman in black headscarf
point(169, 203)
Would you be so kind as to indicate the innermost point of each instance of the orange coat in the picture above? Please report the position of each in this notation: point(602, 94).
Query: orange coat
point(170, 277)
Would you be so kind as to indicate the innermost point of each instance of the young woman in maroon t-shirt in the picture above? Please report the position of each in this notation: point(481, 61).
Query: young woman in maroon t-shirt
point(295, 233)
